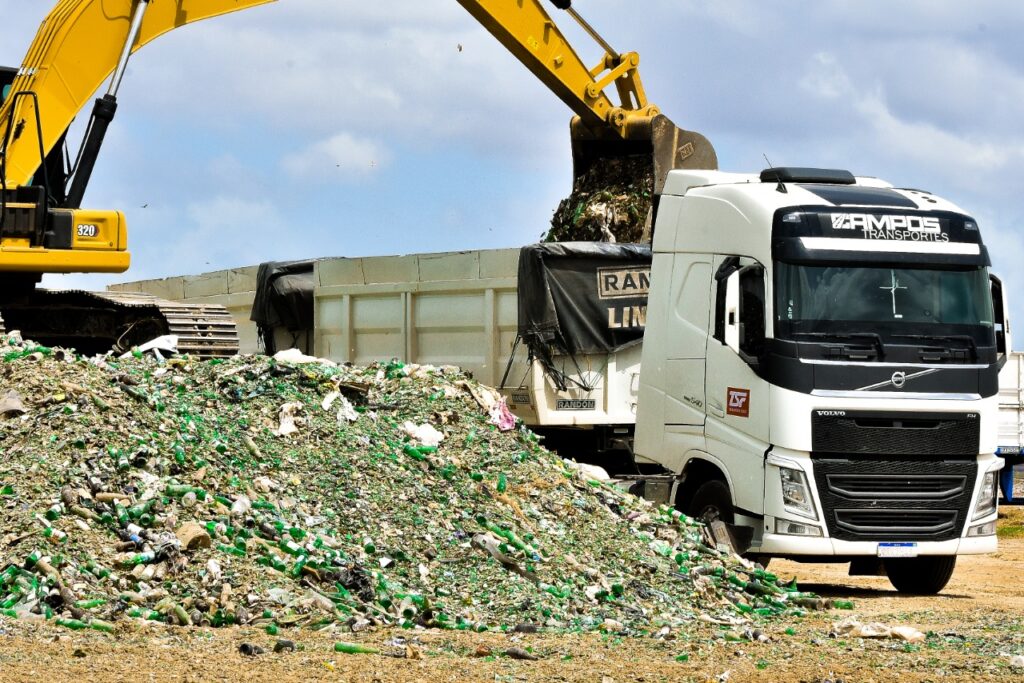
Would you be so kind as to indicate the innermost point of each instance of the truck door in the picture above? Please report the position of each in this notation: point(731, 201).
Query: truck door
point(670, 413)
point(737, 421)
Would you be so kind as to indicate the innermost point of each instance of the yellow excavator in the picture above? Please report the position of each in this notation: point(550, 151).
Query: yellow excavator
point(43, 229)
point(82, 43)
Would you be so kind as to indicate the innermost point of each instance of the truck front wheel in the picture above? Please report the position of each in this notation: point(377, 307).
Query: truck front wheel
point(925, 575)
point(710, 502)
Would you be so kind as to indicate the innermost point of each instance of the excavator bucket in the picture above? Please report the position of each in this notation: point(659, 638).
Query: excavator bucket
point(666, 145)
point(618, 174)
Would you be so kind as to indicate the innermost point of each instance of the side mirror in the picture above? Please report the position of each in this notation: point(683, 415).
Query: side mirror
point(1002, 319)
point(744, 313)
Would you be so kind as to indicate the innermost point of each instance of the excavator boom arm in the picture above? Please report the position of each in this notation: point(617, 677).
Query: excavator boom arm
point(602, 131)
point(76, 49)
point(528, 32)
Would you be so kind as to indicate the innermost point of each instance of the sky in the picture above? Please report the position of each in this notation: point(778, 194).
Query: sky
point(315, 128)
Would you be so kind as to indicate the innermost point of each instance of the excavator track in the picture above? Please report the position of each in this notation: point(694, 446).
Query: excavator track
point(96, 322)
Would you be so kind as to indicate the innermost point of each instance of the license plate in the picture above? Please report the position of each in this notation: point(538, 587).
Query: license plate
point(897, 550)
point(520, 399)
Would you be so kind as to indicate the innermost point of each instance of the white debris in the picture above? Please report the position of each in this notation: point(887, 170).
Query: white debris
point(853, 628)
point(297, 357)
point(347, 411)
point(289, 420)
point(425, 434)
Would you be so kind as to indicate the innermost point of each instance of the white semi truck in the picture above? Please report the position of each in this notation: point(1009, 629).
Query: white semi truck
point(820, 367)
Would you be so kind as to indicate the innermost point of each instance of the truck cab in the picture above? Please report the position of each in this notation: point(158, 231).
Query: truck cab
point(820, 369)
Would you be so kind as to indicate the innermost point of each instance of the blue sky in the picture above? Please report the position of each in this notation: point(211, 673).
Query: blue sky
point(310, 128)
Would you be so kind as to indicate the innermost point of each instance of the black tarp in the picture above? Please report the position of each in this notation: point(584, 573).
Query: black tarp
point(284, 299)
point(583, 297)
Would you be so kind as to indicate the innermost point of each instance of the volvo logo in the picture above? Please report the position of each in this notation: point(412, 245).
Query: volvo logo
point(898, 380)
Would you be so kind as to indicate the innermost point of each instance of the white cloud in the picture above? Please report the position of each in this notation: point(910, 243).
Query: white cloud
point(342, 156)
point(826, 78)
point(971, 160)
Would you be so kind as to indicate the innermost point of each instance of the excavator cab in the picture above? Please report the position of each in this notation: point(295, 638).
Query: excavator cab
point(43, 229)
point(6, 78)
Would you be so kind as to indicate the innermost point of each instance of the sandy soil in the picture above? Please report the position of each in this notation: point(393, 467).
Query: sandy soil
point(973, 629)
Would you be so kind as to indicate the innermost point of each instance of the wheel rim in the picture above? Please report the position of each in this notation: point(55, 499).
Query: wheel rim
point(710, 513)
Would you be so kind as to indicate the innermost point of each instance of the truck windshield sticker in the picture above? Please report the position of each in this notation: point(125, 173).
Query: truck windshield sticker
point(892, 290)
point(805, 233)
point(738, 402)
point(890, 227)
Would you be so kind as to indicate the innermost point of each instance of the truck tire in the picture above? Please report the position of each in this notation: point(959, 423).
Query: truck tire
point(925, 575)
point(710, 502)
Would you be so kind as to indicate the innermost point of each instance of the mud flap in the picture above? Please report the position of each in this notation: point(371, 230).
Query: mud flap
point(736, 537)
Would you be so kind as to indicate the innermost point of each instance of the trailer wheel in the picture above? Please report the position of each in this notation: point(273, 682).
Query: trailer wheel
point(925, 575)
point(710, 502)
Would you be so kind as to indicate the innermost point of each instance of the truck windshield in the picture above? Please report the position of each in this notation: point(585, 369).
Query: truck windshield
point(895, 303)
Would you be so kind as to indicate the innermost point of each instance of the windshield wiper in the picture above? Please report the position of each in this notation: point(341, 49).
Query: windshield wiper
point(873, 336)
point(966, 338)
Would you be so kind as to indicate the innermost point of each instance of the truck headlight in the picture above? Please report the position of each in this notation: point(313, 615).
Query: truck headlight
point(796, 494)
point(986, 496)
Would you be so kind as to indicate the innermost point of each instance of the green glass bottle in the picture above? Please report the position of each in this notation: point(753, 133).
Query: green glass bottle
point(73, 624)
point(355, 649)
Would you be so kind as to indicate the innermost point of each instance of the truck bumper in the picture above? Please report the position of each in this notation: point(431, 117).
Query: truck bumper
point(793, 546)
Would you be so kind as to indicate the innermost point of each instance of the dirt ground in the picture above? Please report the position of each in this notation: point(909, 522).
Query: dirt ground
point(973, 629)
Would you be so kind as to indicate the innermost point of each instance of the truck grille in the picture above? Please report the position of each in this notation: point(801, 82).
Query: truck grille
point(880, 433)
point(888, 522)
point(881, 486)
point(905, 499)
